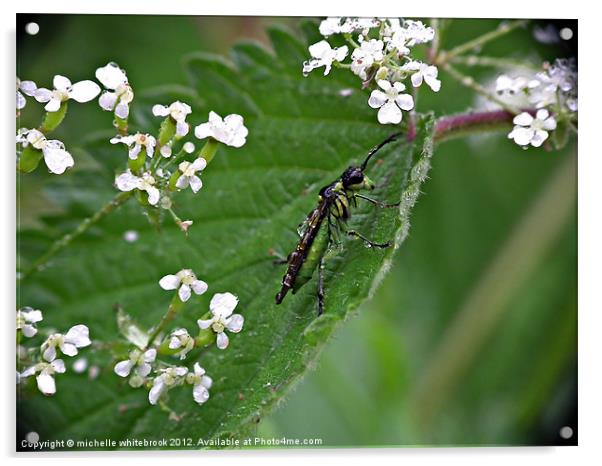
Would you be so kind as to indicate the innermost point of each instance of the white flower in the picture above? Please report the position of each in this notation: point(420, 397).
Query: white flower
point(221, 306)
point(189, 177)
point(168, 378)
point(401, 37)
point(390, 102)
point(369, 52)
point(201, 382)
point(76, 337)
point(188, 147)
point(57, 159)
point(26, 320)
point(128, 181)
point(417, 33)
point(139, 360)
point(186, 281)
point(423, 72)
point(180, 338)
point(178, 111)
point(529, 130)
point(323, 55)
point(136, 142)
point(80, 365)
point(505, 84)
point(230, 131)
point(27, 88)
point(45, 378)
point(334, 25)
point(120, 94)
point(82, 91)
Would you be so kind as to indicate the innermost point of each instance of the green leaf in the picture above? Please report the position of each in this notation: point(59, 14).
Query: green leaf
point(302, 135)
point(29, 159)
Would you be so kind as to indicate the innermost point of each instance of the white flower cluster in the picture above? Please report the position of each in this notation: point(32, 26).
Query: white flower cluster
point(382, 56)
point(45, 365)
point(144, 368)
point(553, 94)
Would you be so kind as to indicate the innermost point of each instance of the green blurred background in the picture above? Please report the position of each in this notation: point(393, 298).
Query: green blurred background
point(471, 338)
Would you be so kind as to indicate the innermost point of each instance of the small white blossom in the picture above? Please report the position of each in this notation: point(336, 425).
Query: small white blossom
point(168, 378)
point(80, 365)
point(230, 131)
point(120, 94)
point(76, 337)
point(57, 159)
point(165, 150)
point(323, 55)
point(26, 320)
point(188, 147)
point(181, 339)
point(423, 72)
point(131, 236)
point(82, 91)
point(128, 181)
point(529, 130)
point(189, 177)
point(362, 58)
point(139, 360)
point(507, 85)
point(45, 377)
point(184, 281)
point(221, 306)
point(335, 25)
point(24, 87)
point(136, 142)
point(390, 102)
point(185, 225)
point(178, 111)
point(201, 383)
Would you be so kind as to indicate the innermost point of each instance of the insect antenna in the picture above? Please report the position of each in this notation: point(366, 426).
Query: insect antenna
point(391, 138)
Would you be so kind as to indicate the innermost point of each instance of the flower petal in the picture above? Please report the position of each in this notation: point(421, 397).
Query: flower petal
point(235, 323)
point(107, 101)
point(169, 282)
point(57, 160)
point(377, 99)
point(84, 91)
point(144, 369)
point(123, 368)
point(46, 384)
point(153, 195)
point(58, 365)
point(222, 340)
point(111, 76)
point(538, 138)
point(42, 94)
point(61, 83)
point(49, 353)
point(150, 355)
point(122, 110)
point(53, 105)
point(78, 335)
point(389, 113)
point(156, 391)
point(126, 181)
point(195, 183)
point(69, 349)
point(223, 304)
point(523, 119)
point(160, 110)
point(204, 324)
point(199, 286)
point(405, 101)
point(200, 394)
point(184, 293)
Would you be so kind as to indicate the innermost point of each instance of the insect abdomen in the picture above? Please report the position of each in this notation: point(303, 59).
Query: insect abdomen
point(315, 253)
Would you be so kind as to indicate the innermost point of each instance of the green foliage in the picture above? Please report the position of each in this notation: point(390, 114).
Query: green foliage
point(302, 135)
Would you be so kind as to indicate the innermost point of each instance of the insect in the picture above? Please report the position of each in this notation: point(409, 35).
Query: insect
point(324, 225)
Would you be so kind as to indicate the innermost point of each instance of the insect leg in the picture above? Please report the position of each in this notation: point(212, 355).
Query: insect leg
point(280, 259)
point(376, 202)
point(321, 287)
point(369, 242)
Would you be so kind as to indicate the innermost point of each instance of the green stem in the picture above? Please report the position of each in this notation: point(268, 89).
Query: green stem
point(174, 307)
point(502, 30)
point(209, 149)
point(65, 240)
point(469, 82)
point(496, 62)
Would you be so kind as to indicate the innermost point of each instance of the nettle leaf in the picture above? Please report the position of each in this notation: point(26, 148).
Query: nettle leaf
point(302, 135)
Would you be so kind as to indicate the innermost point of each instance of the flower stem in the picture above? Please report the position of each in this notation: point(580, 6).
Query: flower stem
point(496, 62)
point(469, 82)
point(503, 29)
point(174, 307)
point(65, 240)
point(453, 126)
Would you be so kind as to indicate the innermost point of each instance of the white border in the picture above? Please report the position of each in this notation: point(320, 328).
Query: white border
point(590, 232)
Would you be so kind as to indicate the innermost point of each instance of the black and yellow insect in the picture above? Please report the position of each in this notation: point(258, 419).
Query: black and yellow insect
point(324, 225)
